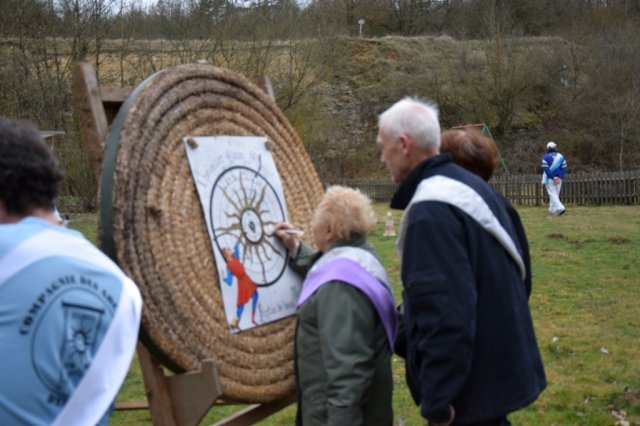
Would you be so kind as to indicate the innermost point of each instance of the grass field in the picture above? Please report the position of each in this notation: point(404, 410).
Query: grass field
point(586, 290)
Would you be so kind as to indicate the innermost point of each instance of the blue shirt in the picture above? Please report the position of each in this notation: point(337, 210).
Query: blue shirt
point(59, 296)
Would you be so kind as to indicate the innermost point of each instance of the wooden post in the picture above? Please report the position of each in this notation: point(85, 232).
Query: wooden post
point(256, 412)
point(180, 399)
point(90, 114)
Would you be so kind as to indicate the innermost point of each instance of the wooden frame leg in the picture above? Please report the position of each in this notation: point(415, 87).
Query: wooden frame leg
point(180, 399)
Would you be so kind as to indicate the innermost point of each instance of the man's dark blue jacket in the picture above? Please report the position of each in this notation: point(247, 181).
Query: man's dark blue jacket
point(470, 337)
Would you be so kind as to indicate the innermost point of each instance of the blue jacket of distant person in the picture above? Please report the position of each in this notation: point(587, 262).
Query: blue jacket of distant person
point(554, 164)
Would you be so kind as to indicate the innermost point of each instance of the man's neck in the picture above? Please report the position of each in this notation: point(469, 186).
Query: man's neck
point(420, 155)
point(46, 215)
point(39, 212)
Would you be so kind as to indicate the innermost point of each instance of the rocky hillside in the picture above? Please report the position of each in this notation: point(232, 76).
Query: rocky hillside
point(503, 84)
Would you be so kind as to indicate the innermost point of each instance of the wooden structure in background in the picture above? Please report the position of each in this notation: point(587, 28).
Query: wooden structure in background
point(580, 188)
point(178, 399)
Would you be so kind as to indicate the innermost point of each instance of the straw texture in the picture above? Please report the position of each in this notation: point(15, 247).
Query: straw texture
point(160, 233)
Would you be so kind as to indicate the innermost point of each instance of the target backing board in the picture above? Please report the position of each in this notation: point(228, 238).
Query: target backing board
point(242, 200)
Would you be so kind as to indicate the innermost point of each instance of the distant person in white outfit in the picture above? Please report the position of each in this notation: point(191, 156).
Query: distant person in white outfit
point(69, 316)
point(554, 167)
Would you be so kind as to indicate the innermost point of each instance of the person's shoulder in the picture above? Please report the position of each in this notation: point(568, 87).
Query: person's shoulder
point(453, 186)
point(367, 246)
point(476, 183)
point(13, 234)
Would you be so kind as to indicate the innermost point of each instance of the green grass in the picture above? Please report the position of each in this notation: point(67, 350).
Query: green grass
point(586, 287)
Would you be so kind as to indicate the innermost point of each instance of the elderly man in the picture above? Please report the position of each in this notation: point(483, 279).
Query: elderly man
point(471, 351)
point(69, 316)
point(554, 167)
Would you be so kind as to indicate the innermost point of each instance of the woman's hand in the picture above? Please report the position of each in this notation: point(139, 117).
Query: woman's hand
point(288, 240)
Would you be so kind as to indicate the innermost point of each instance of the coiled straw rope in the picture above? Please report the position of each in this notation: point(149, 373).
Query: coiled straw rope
point(152, 221)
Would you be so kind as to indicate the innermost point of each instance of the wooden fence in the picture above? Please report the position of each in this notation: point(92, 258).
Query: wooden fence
point(611, 188)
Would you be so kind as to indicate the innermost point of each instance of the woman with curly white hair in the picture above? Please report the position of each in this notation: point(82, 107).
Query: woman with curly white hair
point(346, 317)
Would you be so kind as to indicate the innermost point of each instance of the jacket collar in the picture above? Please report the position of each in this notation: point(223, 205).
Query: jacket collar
point(409, 185)
point(356, 240)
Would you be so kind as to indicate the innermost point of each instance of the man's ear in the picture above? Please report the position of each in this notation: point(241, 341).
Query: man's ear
point(406, 144)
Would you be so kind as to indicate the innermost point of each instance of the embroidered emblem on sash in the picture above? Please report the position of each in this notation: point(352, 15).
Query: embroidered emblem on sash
point(66, 331)
point(81, 325)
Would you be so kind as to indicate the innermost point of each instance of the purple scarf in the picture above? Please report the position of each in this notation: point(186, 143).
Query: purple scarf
point(351, 273)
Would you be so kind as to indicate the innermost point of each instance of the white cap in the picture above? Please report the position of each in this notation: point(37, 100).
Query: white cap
point(551, 145)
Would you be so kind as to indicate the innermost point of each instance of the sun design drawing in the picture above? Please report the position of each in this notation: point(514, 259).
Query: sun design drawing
point(243, 199)
point(244, 208)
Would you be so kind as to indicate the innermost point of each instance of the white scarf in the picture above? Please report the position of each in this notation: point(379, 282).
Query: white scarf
point(450, 191)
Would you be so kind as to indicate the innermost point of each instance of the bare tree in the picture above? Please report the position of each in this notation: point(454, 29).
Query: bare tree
point(612, 92)
point(509, 73)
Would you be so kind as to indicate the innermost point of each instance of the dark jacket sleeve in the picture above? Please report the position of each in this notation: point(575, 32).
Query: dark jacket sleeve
point(546, 163)
point(439, 300)
point(400, 345)
point(521, 235)
point(304, 259)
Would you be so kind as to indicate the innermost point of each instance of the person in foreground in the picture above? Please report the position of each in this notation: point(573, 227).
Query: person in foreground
point(471, 352)
point(554, 167)
point(346, 317)
point(69, 317)
point(477, 153)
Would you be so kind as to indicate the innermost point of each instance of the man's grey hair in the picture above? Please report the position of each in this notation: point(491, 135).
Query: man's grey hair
point(415, 118)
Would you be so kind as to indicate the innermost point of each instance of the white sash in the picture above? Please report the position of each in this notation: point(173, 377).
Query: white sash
point(558, 159)
point(362, 257)
point(450, 191)
point(96, 391)
point(53, 243)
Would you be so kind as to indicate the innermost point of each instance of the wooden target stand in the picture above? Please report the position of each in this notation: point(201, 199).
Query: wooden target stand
point(179, 399)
